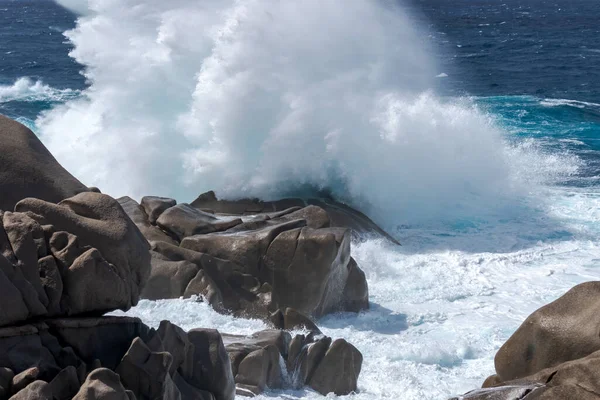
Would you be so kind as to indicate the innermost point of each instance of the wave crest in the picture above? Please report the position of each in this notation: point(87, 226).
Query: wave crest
point(266, 98)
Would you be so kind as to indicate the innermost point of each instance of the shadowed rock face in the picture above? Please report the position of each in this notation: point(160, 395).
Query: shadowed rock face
point(75, 358)
point(29, 170)
point(555, 353)
point(256, 265)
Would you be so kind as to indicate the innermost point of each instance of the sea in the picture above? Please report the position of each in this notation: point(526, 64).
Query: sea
point(468, 129)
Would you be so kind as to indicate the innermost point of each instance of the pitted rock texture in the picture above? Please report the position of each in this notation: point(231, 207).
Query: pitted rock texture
point(81, 256)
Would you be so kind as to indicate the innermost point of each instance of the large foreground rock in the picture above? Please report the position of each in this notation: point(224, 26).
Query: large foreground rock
point(555, 353)
point(81, 256)
point(29, 170)
point(564, 330)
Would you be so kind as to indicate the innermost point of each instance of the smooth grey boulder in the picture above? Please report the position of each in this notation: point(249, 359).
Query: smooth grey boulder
point(168, 279)
point(140, 218)
point(102, 384)
point(29, 170)
point(339, 370)
point(155, 206)
point(564, 330)
point(184, 220)
point(340, 215)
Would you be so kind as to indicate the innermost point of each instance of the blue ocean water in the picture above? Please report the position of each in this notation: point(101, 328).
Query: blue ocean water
point(442, 304)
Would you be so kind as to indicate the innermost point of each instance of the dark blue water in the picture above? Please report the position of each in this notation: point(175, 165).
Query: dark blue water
point(532, 64)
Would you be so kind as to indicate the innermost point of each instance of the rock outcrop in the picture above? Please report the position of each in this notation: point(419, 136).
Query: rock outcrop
point(69, 254)
point(251, 265)
point(555, 353)
point(339, 215)
point(82, 255)
point(273, 359)
point(112, 358)
point(29, 170)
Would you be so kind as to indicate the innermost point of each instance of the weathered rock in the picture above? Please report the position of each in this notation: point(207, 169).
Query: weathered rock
point(21, 348)
point(29, 170)
point(245, 250)
point(13, 305)
point(102, 384)
point(172, 339)
point(203, 284)
point(105, 339)
point(28, 244)
point(555, 353)
point(566, 329)
point(139, 217)
point(315, 353)
point(65, 385)
point(168, 279)
point(355, 297)
point(260, 369)
point(293, 359)
point(292, 320)
point(339, 370)
point(37, 390)
point(122, 260)
point(212, 368)
point(52, 284)
point(571, 380)
point(155, 206)
point(23, 379)
point(339, 214)
point(87, 282)
point(184, 220)
point(218, 276)
point(146, 373)
point(307, 269)
point(500, 393)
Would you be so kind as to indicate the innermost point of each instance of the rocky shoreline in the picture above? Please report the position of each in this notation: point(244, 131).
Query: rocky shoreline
point(69, 254)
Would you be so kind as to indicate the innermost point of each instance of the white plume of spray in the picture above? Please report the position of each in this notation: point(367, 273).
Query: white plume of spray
point(266, 97)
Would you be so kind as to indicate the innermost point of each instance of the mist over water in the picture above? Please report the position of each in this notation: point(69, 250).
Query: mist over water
point(269, 98)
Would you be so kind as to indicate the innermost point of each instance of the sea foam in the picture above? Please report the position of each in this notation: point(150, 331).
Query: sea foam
point(270, 98)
